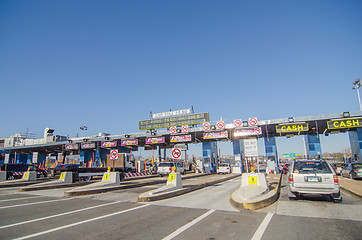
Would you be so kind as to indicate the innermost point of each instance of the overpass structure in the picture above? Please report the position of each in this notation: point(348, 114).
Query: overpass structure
point(95, 149)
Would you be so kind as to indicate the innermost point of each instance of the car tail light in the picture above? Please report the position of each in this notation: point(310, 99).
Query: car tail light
point(217, 168)
point(356, 170)
point(170, 169)
point(335, 168)
point(335, 178)
point(228, 168)
point(291, 178)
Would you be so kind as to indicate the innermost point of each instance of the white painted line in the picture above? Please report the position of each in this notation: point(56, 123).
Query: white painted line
point(190, 224)
point(79, 223)
point(57, 215)
point(27, 204)
point(261, 229)
point(14, 199)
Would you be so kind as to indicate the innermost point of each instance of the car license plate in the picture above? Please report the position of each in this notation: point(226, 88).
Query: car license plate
point(313, 179)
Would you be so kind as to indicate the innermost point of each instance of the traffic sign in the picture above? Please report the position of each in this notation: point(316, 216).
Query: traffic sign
point(114, 154)
point(257, 130)
point(238, 123)
point(206, 126)
point(176, 153)
point(185, 129)
point(253, 121)
point(220, 125)
point(173, 129)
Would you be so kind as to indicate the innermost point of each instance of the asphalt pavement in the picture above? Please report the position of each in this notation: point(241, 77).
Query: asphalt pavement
point(47, 214)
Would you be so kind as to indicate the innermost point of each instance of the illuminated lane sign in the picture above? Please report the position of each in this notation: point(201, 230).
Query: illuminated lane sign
point(298, 127)
point(129, 142)
point(109, 144)
point(88, 145)
point(180, 138)
point(215, 135)
point(348, 123)
point(73, 146)
point(192, 119)
point(155, 140)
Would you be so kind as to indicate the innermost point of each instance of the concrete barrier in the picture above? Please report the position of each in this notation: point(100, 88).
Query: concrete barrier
point(111, 178)
point(254, 193)
point(29, 176)
point(174, 182)
point(66, 177)
point(2, 176)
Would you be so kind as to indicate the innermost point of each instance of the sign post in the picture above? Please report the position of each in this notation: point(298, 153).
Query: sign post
point(114, 156)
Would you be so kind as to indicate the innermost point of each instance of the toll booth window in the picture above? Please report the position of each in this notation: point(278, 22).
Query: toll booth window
point(312, 167)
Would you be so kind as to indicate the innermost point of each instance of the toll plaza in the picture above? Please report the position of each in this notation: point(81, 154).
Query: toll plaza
point(172, 131)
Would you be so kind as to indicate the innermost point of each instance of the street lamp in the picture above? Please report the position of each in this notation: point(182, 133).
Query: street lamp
point(357, 85)
point(83, 128)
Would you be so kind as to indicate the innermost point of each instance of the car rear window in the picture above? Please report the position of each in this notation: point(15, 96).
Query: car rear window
point(224, 165)
point(165, 165)
point(312, 167)
point(357, 166)
point(338, 164)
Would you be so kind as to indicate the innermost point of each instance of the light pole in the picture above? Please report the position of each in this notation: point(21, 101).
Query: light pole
point(357, 85)
point(83, 128)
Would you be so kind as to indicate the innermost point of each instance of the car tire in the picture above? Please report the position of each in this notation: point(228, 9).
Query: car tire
point(161, 175)
point(337, 200)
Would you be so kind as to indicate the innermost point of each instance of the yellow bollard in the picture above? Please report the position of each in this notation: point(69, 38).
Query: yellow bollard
point(109, 169)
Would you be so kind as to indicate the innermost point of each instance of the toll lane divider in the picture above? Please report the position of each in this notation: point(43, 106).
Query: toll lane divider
point(184, 190)
point(54, 184)
point(260, 202)
point(96, 190)
point(21, 182)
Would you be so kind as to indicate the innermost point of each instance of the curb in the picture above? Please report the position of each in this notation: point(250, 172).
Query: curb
point(351, 192)
point(35, 188)
point(258, 204)
point(115, 188)
point(183, 191)
point(20, 184)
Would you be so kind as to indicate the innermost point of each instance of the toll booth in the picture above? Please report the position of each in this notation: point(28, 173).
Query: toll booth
point(210, 156)
point(271, 150)
point(355, 139)
point(313, 146)
point(238, 154)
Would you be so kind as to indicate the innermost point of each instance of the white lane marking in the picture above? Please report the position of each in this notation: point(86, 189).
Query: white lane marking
point(190, 224)
point(27, 204)
point(14, 199)
point(261, 229)
point(79, 223)
point(57, 215)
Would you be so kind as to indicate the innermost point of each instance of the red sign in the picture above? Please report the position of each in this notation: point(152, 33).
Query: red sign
point(185, 129)
point(172, 129)
point(257, 130)
point(220, 125)
point(206, 126)
point(253, 121)
point(114, 154)
point(237, 123)
point(176, 153)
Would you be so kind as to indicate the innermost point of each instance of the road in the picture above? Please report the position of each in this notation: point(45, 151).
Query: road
point(203, 214)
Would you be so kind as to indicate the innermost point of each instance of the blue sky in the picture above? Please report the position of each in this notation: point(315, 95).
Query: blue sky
point(107, 64)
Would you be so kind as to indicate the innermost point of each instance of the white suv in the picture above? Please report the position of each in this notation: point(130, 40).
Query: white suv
point(312, 177)
point(223, 168)
point(166, 167)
